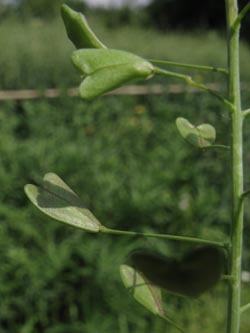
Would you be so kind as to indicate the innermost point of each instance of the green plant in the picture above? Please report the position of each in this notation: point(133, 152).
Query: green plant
point(146, 273)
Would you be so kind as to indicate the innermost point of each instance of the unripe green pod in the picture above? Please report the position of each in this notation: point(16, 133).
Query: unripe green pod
point(197, 272)
point(56, 199)
point(78, 30)
point(201, 136)
point(107, 69)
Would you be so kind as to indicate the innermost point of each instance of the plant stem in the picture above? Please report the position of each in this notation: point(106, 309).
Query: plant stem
point(246, 112)
point(241, 15)
point(216, 147)
point(245, 194)
point(188, 80)
point(191, 66)
point(234, 95)
point(163, 236)
point(245, 308)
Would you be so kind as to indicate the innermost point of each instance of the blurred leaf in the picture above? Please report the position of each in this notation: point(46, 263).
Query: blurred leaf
point(78, 30)
point(57, 200)
point(197, 272)
point(201, 136)
point(107, 69)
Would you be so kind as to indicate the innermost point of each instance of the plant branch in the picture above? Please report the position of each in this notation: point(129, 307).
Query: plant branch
point(244, 194)
point(164, 236)
point(241, 15)
point(234, 96)
point(191, 66)
point(245, 113)
point(216, 147)
point(245, 308)
point(188, 80)
point(226, 277)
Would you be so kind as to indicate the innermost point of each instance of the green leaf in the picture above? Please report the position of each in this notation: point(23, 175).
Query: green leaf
point(197, 272)
point(56, 199)
point(201, 136)
point(144, 292)
point(106, 69)
point(78, 30)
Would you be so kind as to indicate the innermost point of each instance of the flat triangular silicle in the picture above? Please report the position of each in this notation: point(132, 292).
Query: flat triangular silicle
point(78, 30)
point(200, 136)
point(197, 272)
point(91, 60)
point(145, 293)
point(57, 200)
point(109, 78)
point(202, 269)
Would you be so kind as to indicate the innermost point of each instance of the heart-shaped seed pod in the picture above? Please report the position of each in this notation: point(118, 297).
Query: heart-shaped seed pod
point(78, 30)
point(202, 269)
point(201, 136)
point(197, 272)
point(107, 69)
point(56, 199)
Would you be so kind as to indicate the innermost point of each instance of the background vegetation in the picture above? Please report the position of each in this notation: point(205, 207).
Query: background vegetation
point(124, 157)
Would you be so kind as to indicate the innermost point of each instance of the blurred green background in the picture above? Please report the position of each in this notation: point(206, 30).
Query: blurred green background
point(124, 158)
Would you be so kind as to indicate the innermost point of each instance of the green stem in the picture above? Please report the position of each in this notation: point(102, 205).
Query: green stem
point(188, 80)
point(226, 277)
point(245, 308)
point(216, 147)
point(233, 323)
point(191, 66)
point(164, 236)
point(246, 193)
point(246, 112)
point(241, 15)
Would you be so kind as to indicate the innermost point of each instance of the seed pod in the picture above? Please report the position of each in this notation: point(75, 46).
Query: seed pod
point(56, 199)
point(200, 136)
point(78, 30)
point(107, 69)
point(201, 269)
point(160, 270)
point(195, 273)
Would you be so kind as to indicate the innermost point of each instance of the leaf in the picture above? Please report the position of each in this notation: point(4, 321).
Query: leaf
point(78, 30)
point(144, 292)
point(56, 199)
point(106, 69)
point(197, 272)
point(201, 136)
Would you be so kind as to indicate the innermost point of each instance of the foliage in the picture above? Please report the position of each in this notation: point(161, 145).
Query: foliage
point(60, 272)
point(128, 171)
point(105, 69)
point(44, 8)
point(192, 14)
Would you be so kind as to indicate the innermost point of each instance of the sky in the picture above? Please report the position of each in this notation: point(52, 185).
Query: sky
point(103, 3)
point(108, 3)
